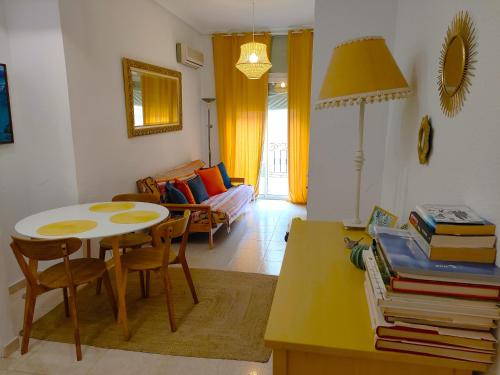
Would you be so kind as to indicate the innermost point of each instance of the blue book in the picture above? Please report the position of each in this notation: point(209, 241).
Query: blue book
point(406, 259)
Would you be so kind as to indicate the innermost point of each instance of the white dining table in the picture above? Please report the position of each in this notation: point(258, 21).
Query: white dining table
point(105, 228)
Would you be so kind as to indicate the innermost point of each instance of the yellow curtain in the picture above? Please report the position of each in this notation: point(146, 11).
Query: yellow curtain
point(241, 107)
point(299, 110)
point(159, 100)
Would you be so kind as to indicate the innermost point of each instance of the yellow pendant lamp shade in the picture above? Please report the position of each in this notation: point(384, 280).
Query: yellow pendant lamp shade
point(253, 61)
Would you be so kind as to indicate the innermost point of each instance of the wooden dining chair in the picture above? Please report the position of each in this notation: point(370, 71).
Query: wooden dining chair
point(67, 275)
point(130, 240)
point(159, 256)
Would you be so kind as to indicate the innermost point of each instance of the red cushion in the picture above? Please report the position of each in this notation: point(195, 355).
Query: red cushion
point(212, 179)
point(184, 188)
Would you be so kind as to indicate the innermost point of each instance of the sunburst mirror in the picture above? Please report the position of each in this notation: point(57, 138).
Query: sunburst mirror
point(458, 56)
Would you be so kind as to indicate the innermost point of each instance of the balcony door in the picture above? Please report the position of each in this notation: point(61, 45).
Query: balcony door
point(274, 169)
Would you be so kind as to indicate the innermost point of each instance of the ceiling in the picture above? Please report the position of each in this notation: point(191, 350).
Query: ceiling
point(209, 16)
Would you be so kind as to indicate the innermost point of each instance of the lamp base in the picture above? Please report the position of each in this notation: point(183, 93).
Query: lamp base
point(351, 224)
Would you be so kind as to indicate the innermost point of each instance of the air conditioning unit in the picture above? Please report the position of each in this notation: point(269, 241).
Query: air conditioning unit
point(189, 56)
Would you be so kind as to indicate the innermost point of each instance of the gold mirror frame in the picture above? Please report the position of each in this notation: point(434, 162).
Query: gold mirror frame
point(132, 130)
point(462, 30)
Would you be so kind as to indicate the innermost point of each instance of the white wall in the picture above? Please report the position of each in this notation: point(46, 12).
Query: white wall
point(333, 139)
point(97, 34)
point(464, 166)
point(38, 170)
point(465, 163)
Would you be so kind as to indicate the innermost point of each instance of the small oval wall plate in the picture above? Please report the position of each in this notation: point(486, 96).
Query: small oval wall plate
point(424, 140)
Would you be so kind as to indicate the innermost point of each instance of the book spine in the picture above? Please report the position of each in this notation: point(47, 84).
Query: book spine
point(424, 216)
point(420, 241)
point(422, 227)
point(382, 262)
point(400, 285)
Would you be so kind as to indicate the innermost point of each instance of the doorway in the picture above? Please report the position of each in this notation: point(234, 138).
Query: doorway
point(274, 169)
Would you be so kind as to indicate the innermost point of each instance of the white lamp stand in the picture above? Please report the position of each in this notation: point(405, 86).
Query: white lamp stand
point(358, 161)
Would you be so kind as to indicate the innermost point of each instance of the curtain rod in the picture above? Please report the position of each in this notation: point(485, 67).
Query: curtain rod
point(262, 33)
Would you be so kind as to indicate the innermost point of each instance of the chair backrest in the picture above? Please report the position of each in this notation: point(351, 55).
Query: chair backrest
point(140, 197)
point(164, 232)
point(36, 250)
point(46, 249)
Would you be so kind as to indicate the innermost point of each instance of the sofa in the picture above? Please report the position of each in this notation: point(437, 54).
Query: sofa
point(210, 215)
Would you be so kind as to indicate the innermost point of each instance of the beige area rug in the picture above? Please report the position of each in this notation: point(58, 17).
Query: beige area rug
point(228, 323)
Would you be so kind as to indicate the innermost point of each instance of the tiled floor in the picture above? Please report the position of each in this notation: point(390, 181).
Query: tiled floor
point(255, 244)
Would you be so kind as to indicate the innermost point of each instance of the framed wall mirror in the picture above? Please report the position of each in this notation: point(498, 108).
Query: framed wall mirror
point(153, 98)
point(456, 63)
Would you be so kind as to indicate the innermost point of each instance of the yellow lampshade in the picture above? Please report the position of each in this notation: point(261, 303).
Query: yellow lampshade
point(253, 61)
point(361, 70)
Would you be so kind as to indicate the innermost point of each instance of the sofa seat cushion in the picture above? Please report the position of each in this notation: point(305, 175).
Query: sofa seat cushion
point(226, 206)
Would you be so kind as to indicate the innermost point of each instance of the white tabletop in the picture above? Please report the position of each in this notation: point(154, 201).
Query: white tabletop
point(105, 228)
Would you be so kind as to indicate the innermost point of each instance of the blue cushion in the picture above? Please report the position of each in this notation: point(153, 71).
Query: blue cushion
point(198, 189)
point(175, 195)
point(225, 176)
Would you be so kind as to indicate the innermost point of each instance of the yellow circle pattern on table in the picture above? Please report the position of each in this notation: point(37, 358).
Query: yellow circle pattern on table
point(67, 227)
point(134, 217)
point(112, 206)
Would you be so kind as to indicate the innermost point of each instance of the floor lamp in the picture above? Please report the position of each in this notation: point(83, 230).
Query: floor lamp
point(209, 126)
point(361, 71)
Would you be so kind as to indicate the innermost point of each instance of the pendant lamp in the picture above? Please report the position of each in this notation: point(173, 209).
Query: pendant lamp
point(253, 61)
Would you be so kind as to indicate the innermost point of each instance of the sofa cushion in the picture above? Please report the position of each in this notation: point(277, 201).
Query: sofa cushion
point(212, 179)
point(175, 195)
point(184, 188)
point(198, 189)
point(225, 176)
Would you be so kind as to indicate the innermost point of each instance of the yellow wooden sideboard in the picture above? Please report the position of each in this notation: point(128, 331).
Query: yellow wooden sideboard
point(319, 322)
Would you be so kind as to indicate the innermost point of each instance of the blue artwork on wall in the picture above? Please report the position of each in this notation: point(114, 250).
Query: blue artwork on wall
point(6, 133)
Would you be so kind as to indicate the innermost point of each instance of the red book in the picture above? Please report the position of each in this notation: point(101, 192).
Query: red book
point(444, 288)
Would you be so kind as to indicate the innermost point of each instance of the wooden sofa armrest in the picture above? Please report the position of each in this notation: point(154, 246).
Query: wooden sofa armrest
point(181, 207)
point(237, 180)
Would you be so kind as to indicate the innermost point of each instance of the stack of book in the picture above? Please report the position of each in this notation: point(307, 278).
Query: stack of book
point(433, 308)
point(453, 233)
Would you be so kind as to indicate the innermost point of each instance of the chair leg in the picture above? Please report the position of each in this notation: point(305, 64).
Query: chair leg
point(102, 256)
point(124, 287)
point(189, 280)
point(29, 311)
point(74, 318)
point(143, 286)
point(170, 305)
point(210, 239)
point(66, 303)
point(148, 282)
point(109, 291)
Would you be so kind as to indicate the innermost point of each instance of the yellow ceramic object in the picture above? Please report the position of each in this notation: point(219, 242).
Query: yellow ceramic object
point(112, 206)
point(67, 227)
point(134, 217)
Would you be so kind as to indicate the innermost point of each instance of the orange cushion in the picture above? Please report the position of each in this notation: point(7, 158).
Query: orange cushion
point(184, 188)
point(212, 179)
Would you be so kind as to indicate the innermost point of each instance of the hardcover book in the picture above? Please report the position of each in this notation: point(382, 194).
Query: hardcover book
point(450, 214)
point(456, 249)
point(430, 228)
point(407, 260)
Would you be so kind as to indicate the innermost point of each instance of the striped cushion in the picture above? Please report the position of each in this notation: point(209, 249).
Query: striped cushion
point(229, 205)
